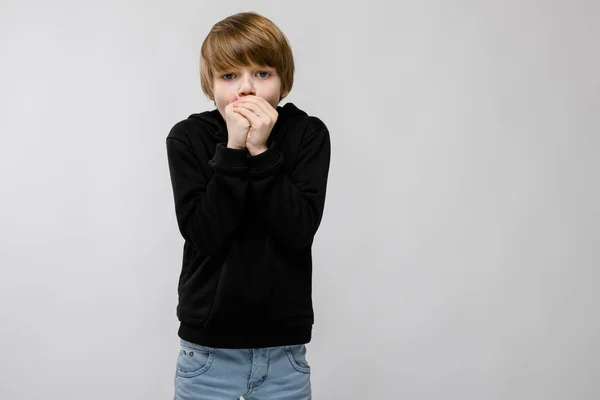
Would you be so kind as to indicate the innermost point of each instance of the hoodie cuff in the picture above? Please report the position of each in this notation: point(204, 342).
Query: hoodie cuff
point(228, 159)
point(261, 164)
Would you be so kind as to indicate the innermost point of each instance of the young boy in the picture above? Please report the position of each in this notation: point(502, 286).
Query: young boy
point(249, 181)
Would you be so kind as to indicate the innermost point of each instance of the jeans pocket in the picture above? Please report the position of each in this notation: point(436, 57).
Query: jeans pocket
point(194, 359)
point(297, 356)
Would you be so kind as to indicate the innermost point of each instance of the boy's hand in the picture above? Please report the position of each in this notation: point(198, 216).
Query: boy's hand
point(261, 116)
point(237, 128)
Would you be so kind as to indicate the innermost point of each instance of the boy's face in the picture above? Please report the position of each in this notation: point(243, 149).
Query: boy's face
point(231, 84)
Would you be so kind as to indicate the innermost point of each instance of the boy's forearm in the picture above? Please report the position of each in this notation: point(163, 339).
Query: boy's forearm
point(293, 211)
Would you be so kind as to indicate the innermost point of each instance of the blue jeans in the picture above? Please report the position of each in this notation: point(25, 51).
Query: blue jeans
point(270, 373)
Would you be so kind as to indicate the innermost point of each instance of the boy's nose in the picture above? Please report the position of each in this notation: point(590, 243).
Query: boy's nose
point(246, 92)
point(245, 88)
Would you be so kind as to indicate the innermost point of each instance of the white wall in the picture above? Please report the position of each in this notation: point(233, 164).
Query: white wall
point(459, 251)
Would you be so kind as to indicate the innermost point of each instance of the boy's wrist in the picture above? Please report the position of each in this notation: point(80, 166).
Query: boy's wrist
point(254, 151)
point(234, 146)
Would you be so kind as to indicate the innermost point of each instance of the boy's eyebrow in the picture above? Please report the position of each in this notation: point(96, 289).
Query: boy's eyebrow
point(252, 67)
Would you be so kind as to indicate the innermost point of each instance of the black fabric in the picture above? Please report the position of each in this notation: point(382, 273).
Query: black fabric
point(248, 224)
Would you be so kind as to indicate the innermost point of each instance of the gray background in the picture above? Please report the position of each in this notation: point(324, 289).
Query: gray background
point(459, 250)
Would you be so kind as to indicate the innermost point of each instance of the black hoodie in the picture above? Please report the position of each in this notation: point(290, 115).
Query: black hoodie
point(248, 224)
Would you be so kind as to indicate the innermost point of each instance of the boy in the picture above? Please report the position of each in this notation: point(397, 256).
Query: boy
point(249, 181)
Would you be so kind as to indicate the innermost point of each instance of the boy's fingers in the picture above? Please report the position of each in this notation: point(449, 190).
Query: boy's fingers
point(261, 114)
point(264, 105)
point(247, 113)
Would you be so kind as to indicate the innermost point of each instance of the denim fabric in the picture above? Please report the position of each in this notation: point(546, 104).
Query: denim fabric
point(270, 373)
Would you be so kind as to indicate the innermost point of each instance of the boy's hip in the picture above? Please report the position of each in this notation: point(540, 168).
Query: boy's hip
point(279, 372)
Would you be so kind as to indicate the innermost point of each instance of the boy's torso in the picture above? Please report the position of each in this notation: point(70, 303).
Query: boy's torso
point(254, 293)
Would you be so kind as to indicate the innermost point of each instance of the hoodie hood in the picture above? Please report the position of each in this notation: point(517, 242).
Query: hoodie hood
point(287, 113)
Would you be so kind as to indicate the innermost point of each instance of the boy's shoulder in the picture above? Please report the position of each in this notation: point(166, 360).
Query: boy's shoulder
point(315, 123)
point(299, 118)
point(206, 121)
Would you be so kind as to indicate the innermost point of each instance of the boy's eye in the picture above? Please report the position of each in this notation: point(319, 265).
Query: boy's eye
point(261, 72)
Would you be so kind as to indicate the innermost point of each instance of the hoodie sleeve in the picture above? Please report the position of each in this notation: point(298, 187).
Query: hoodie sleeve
point(207, 211)
point(292, 206)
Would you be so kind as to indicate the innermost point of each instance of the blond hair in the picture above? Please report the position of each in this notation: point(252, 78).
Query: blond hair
point(245, 39)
